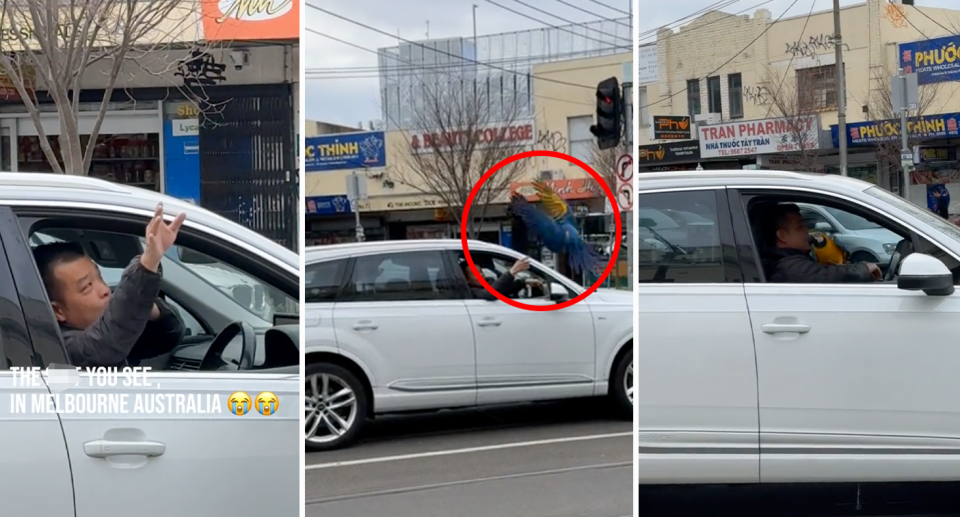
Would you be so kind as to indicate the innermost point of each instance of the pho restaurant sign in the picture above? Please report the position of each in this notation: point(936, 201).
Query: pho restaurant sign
point(752, 137)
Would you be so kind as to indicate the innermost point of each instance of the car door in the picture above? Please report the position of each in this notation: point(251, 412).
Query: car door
point(402, 317)
point(33, 453)
point(530, 355)
point(695, 381)
point(857, 382)
point(182, 460)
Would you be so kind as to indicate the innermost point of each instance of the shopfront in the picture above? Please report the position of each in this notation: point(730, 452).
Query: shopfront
point(681, 156)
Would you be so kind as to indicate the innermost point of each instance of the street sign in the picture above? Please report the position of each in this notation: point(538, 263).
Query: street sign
point(625, 196)
point(625, 167)
point(904, 92)
point(356, 187)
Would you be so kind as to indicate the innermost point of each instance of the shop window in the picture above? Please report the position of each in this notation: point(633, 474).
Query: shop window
point(693, 98)
point(714, 96)
point(817, 88)
point(581, 140)
point(132, 159)
point(735, 94)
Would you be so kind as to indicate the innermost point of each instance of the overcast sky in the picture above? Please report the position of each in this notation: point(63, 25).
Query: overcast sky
point(342, 85)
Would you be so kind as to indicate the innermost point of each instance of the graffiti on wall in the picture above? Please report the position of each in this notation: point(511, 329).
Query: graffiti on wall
point(552, 141)
point(758, 95)
point(200, 69)
point(896, 16)
point(813, 46)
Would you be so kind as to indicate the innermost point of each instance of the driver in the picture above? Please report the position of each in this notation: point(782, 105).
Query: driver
point(789, 260)
point(100, 329)
point(507, 284)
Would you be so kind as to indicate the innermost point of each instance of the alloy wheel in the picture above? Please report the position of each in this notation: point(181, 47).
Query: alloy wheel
point(628, 382)
point(330, 407)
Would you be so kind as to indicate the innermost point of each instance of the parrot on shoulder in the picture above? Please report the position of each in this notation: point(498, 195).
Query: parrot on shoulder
point(556, 228)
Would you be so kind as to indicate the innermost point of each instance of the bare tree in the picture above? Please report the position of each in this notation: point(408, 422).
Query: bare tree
point(604, 161)
point(53, 43)
point(459, 132)
point(796, 101)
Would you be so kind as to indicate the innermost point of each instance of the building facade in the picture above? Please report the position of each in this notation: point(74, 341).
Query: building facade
point(774, 104)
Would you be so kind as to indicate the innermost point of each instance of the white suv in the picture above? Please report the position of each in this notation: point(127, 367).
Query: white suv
point(393, 326)
point(746, 381)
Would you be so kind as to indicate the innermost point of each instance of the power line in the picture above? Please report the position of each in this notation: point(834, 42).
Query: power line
point(421, 45)
point(372, 74)
point(792, 56)
point(610, 7)
point(744, 49)
point(564, 20)
point(591, 13)
point(720, 4)
point(925, 15)
point(564, 29)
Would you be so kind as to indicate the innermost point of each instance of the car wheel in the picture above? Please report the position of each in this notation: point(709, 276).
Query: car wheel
point(863, 256)
point(622, 388)
point(335, 406)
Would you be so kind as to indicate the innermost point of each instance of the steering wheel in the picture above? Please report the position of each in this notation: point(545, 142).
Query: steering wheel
point(213, 359)
point(891, 272)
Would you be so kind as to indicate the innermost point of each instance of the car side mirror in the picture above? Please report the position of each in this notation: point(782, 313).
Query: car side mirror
point(823, 227)
point(558, 293)
point(919, 272)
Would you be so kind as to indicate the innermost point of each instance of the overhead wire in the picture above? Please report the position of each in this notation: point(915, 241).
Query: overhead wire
point(792, 56)
point(591, 13)
point(564, 29)
point(716, 6)
point(610, 7)
point(564, 20)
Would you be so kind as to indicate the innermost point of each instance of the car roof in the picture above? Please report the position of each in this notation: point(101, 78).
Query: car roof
point(326, 252)
point(60, 188)
point(743, 178)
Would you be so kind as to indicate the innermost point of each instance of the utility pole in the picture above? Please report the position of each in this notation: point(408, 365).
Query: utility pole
point(841, 89)
point(905, 94)
point(475, 30)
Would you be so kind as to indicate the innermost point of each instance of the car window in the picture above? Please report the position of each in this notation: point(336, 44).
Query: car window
point(678, 238)
point(811, 217)
point(493, 265)
point(192, 326)
point(852, 221)
point(322, 281)
point(419, 275)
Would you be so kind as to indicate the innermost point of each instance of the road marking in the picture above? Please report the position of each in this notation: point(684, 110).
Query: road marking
point(467, 450)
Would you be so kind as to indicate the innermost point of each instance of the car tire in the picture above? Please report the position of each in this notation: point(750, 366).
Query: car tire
point(865, 256)
point(621, 390)
point(338, 379)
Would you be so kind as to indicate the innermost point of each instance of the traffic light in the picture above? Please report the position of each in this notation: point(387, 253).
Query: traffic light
point(609, 114)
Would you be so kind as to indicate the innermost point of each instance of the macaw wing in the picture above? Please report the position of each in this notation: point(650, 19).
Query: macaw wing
point(552, 203)
point(580, 256)
point(539, 223)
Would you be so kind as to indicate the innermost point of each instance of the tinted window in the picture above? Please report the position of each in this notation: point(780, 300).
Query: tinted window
point(420, 275)
point(678, 238)
point(322, 281)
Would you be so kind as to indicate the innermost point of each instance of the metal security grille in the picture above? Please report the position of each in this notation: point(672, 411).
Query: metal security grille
point(247, 162)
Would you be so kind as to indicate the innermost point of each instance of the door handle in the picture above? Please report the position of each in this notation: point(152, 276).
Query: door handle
point(365, 325)
point(782, 328)
point(107, 448)
point(489, 323)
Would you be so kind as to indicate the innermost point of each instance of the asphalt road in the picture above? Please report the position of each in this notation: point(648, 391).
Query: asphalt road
point(566, 459)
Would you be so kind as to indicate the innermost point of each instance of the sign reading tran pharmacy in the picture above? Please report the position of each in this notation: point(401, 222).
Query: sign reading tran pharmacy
point(345, 151)
point(934, 61)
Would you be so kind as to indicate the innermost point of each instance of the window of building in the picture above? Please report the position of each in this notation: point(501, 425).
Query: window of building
point(678, 238)
point(644, 109)
point(817, 88)
point(693, 97)
point(735, 93)
point(714, 96)
point(581, 140)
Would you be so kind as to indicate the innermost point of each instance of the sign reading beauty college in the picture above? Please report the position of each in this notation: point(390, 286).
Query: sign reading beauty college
point(250, 20)
point(760, 137)
point(934, 61)
point(516, 134)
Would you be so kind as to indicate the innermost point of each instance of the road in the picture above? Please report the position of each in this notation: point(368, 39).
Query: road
point(567, 459)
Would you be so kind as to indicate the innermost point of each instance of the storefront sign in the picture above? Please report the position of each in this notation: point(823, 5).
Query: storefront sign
point(666, 127)
point(181, 151)
point(648, 71)
point(186, 127)
point(328, 205)
point(520, 134)
point(928, 127)
point(250, 20)
point(934, 60)
point(935, 154)
point(662, 154)
point(754, 137)
point(345, 151)
point(585, 188)
point(8, 89)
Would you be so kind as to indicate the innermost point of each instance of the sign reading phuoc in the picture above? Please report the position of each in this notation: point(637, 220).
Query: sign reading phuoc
point(768, 136)
point(345, 151)
point(934, 61)
point(946, 125)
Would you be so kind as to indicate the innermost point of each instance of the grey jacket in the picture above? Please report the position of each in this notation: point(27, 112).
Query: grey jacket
point(798, 267)
point(125, 334)
point(506, 285)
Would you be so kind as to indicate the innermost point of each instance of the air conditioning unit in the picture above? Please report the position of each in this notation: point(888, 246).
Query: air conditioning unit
point(551, 175)
point(706, 119)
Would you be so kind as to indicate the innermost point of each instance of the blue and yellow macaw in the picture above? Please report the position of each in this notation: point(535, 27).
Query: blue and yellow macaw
point(556, 228)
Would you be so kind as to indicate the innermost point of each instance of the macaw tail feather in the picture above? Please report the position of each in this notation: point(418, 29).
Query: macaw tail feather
point(582, 258)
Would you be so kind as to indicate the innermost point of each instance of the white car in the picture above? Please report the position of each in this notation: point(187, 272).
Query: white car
point(392, 326)
point(155, 465)
point(745, 381)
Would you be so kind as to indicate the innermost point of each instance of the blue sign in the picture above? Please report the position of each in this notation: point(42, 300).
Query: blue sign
point(345, 151)
point(181, 159)
point(934, 61)
point(328, 205)
point(928, 127)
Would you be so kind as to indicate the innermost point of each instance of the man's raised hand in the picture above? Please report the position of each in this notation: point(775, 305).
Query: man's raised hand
point(160, 236)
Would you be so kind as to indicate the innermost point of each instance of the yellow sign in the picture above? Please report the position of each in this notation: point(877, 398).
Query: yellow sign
point(267, 403)
point(239, 403)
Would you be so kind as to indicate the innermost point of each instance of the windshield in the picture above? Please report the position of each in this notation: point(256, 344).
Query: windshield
point(924, 215)
point(851, 221)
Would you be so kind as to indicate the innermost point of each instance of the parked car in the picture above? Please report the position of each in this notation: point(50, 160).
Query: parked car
point(56, 463)
point(745, 381)
point(393, 327)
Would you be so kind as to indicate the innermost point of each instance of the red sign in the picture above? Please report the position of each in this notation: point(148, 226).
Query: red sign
point(567, 189)
point(518, 134)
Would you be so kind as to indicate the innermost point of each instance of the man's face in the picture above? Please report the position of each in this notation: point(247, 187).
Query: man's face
point(793, 233)
point(82, 294)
